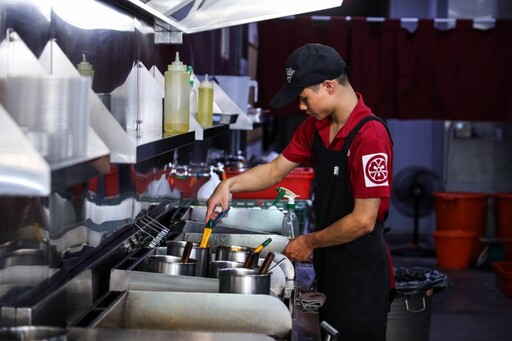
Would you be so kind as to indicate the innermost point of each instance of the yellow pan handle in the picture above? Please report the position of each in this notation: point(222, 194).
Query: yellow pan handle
point(206, 236)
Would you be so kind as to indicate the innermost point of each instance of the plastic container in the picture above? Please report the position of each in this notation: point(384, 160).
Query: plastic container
point(177, 98)
point(454, 248)
point(503, 221)
point(410, 312)
point(298, 181)
point(205, 103)
point(503, 272)
point(463, 211)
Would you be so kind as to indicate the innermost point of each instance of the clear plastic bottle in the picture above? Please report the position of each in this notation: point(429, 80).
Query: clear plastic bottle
point(205, 103)
point(177, 98)
point(290, 226)
point(85, 69)
point(193, 99)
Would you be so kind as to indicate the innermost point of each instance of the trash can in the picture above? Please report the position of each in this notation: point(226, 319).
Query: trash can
point(409, 315)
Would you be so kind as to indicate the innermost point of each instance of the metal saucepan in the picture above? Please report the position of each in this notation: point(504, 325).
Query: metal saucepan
point(244, 281)
point(234, 253)
point(216, 265)
point(201, 255)
point(172, 265)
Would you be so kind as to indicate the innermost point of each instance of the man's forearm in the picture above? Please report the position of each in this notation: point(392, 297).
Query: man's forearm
point(254, 179)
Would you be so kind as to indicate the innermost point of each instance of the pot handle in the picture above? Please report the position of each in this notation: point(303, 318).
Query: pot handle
point(251, 259)
point(266, 263)
point(186, 252)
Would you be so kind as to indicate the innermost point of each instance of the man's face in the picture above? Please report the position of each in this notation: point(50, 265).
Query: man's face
point(315, 101)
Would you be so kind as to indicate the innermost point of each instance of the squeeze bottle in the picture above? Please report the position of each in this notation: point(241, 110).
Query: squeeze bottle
point(177, 98)
point(205, 103)
point(85, 69)
point(290, 225)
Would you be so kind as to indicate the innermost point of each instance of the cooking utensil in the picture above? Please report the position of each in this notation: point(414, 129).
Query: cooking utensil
point(186, 253)
point(201, 255)
point(233, 252)
point(243, 281)
point(265, 243)
point(217, 265)
point(172, 265)
point(251, 260)
point(209, 226)
point(266, 263)
point(275, 265)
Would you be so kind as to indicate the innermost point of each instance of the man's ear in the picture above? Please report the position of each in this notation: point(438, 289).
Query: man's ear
point(329, 86)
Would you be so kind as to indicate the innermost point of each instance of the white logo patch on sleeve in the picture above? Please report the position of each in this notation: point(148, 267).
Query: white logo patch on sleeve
point(375, 169)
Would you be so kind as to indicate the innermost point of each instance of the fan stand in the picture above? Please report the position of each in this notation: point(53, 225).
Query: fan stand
point(415, 250)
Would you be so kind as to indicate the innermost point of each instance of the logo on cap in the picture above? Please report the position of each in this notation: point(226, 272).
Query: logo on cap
point(289, 74)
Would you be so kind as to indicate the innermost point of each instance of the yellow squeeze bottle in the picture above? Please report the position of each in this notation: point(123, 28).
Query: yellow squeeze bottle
point(177, 98)
point(205, 103)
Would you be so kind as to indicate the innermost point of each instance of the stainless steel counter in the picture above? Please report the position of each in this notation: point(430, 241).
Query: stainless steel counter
point(90, 334)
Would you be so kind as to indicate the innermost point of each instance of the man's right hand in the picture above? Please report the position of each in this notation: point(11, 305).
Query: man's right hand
point(220, 197)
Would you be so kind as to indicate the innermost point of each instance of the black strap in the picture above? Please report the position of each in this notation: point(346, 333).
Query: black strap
point(353, 132)
point(352, 135)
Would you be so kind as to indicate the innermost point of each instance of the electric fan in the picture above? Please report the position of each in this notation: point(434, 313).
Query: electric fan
point(412, 196)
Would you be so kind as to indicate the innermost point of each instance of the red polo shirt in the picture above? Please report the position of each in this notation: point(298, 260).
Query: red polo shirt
point(370, 157)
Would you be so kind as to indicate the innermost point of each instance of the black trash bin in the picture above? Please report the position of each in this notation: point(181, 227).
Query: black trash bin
point(409, 315)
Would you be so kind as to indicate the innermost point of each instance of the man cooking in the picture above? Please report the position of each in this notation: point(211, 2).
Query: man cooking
point(351, 151)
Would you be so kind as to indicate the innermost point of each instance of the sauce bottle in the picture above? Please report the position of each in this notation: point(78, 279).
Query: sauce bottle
point(177, 98)
point(205, 103)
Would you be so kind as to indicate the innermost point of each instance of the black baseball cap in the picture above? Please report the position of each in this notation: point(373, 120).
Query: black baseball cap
point(308, 65)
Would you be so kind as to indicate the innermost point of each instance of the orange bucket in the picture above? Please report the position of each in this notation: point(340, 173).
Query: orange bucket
point(503, 221)
point(454, 248)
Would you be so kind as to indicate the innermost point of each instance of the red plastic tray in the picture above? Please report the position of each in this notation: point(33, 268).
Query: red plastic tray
point(298, 181)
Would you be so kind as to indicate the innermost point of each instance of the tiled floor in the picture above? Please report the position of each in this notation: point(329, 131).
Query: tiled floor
point(471, 308)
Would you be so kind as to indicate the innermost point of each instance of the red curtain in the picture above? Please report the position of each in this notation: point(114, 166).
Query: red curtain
point(457, 74)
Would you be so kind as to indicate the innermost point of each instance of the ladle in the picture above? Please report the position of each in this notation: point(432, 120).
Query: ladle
point(266, 263)
point(251, 259)
point(186, 252)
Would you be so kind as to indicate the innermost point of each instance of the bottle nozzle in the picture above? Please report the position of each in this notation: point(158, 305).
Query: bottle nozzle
point(84, 64)
point(289, 195)
point(177, 59)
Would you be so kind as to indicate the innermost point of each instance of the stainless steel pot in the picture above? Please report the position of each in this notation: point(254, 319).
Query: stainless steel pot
point(243, 281)
point(31, 333)
point(201, 255)
point(234, 253)
point(216, 265)
point(172, 265)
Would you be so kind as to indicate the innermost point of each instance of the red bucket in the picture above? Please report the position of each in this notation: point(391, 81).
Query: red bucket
point(463, 211)
point(454, 248)
point(503, 221)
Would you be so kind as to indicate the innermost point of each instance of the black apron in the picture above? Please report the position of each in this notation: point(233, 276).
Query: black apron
point(355, 277)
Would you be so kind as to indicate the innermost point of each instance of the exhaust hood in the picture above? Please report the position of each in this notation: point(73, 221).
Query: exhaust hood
point(192, 16)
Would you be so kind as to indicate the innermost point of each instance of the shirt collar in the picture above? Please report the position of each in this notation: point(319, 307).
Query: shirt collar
point(359, 111)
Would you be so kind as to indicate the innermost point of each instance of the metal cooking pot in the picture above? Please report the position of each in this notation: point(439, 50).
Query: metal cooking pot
point(217, 265)
point(172, 265)
point(201, 255)
point(234, 253)
point(244, 281)
point(31, 333)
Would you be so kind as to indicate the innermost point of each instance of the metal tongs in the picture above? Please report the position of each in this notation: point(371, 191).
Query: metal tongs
point(209, 226)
